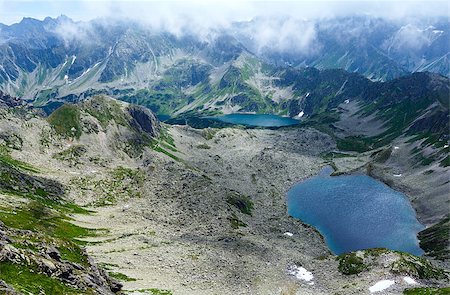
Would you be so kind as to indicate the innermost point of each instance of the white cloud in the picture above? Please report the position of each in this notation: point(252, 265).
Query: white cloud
point(284, 25)
point(207, 12)
point(71, 32)
point(284, 34)
point(411, 37)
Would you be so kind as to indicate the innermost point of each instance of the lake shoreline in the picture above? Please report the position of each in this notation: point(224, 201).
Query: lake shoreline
point(354, 187)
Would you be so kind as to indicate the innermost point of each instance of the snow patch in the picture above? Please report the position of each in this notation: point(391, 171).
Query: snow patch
point(73, 59)
point(347, 101)
point(301, 114)
point(397, 175)
point(445, 146)
point(288, 234)
point(409, 281)
point(381, 285)
point(301, 273)
point(66, 77)
point(396, 147)
point(307, 94)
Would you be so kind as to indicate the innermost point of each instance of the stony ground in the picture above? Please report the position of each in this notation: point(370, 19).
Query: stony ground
point(179, 234)
point(209, 219)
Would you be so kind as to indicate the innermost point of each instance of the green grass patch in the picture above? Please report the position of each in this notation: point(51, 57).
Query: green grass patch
point(121, 277)
point(72, 252)
point(71, 155)
point(25, 279)
point(7, 160)
point(165, 136)
point(203, 146)
point(418, 267)
point(167, 153)
point(66, 121)
point(168, 146)
point(427, 291)
point(121, 184)
point(445, 162)
point(383, 155)
point(336, 155)
point(351, 263)
point(154, 291)
point(208, 133)
point(354, 143)
point(435, 239)
point(38, 218)
point(242, 202)
point(105, 110)
point(235, 222)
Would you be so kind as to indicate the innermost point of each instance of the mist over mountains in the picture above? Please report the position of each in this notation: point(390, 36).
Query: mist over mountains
point(40, 56)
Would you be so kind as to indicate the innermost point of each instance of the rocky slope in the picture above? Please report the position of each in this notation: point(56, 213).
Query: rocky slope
point(177, 210)
point(40, 250)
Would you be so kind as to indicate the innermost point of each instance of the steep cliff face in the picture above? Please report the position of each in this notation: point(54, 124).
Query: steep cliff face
point(144, 120)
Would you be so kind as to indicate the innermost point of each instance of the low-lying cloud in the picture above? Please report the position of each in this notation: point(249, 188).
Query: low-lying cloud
point(281, 25)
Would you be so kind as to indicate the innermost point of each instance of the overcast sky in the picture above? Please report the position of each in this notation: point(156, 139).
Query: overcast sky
point(210, 12)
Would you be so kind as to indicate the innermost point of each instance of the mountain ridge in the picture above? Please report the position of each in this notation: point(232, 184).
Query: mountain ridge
point(40, 58)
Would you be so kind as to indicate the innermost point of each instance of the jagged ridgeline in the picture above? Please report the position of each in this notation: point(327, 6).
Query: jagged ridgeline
point(171, 74)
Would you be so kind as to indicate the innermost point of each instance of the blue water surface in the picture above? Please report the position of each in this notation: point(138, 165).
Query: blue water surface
point(256, 120)
point(356, 212)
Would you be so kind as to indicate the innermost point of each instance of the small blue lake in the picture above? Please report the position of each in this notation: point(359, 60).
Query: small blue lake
point(162, 117)
point(355, 212)
point(256, 120)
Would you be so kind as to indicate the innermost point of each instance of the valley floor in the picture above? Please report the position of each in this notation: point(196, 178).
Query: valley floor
point(187, 235)
point(199, 211)
point(184, 236)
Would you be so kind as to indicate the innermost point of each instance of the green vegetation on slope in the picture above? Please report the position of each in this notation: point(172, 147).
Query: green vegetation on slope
point(71, 155)
point(435, 239)
point(243, 203)
point(427, 291)
point(105, 110)
point(28, 280)
point(404, 263)
point(165, 144)
point(37, 217)
point(37, 221)
point(121, 276)
point(66, 121)
point(6, 159)
point(351, 263)
point(121, 184)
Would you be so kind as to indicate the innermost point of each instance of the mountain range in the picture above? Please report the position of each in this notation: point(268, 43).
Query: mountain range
point(85, 162)
point(59, 59)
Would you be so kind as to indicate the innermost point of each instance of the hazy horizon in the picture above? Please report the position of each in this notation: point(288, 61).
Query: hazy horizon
point(214, 13)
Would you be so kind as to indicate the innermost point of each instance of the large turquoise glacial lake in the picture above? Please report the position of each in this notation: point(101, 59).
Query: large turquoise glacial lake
point(355, 212)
